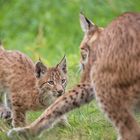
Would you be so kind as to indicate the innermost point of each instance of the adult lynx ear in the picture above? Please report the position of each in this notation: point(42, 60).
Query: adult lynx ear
point(85, 23)
point(63, 65)
point(40, 69)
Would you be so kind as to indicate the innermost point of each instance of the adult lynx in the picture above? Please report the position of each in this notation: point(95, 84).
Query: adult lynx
point(115, 75)
point(29, 86)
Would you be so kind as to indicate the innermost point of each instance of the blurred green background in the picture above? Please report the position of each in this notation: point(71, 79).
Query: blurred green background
point(49, 29)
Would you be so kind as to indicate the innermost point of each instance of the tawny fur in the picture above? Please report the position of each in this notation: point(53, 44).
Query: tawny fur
point(114, 74)
point(29, 86)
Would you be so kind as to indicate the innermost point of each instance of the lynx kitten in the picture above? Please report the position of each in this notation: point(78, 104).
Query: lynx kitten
point(29, 86)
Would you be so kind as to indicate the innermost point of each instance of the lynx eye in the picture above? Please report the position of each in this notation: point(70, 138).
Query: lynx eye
point(63, 81)
point(84, 56)
point(51, 82)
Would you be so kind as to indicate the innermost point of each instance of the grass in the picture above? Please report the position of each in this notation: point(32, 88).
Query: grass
point(50, 29)
point(87, 123)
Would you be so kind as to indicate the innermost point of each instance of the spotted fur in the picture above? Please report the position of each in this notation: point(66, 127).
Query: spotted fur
point(29, 86)
point(114, 75)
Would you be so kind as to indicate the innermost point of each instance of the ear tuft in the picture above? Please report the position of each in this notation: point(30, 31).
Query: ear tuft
point(85, 23)
point(63, 65)
point(40, 69)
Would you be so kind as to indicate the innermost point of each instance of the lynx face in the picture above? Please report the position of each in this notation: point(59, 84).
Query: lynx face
point(88, 45)
point(51, 81)
point(91, 33)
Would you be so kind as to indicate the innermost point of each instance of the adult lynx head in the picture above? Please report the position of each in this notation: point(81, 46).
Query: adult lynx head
point(51, 81)
point(91, 33)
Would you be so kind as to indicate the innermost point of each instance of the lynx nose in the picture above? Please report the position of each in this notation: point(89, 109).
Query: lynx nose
point(60, 92)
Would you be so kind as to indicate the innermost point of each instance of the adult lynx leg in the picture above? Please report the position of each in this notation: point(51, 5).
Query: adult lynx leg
point(7, 101)
point(81, 94)
point(114, 103)
point(5, 109)
point(18, 117)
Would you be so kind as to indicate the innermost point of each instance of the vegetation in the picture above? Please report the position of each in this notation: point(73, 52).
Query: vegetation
point(50, 29)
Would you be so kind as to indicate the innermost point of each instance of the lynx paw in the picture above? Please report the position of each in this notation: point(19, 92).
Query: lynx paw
point(64, 121)
point(22, 132)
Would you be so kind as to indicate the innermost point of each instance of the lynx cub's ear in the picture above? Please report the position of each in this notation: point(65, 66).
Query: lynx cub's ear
point(40, 69)
point(63, 65)
point(85, 23)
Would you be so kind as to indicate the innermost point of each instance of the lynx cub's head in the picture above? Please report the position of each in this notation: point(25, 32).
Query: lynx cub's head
point(51, 81)
point(91, 34)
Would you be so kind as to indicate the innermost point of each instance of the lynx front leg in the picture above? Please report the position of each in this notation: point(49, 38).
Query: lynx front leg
point(81, 94)
point(125, 123)
point(18, 117)
point(7, 101)
point(115, 104)
point(5, 109)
